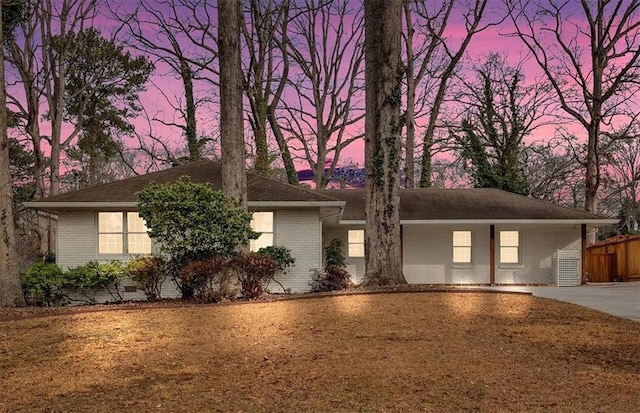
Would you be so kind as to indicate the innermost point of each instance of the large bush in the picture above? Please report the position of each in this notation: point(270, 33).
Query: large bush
point(280, 255)
point(192, 222)
point(87, 280)
point(209, 280)
point(44, 281)
point(149, 273)
point(335, 276)
point(254, 272)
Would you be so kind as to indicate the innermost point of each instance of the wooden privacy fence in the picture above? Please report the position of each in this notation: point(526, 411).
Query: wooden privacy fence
point(614, 259)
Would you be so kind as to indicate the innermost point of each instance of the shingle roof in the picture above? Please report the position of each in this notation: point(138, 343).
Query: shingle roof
point(415, 204)
point(259, 189)
point(461, 204)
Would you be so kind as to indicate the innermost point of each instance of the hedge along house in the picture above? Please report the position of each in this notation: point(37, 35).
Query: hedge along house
point(449, 236)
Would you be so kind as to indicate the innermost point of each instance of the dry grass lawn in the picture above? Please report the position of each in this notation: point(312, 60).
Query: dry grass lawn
point(384, 352)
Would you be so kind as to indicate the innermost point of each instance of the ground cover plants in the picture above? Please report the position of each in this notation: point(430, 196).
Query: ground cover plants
point(451, 352)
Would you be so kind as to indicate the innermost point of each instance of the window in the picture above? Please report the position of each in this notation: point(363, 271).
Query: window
point(509, 247)
point(462, 247)
point(356, 243)
point(262, 222)
point(122, 231)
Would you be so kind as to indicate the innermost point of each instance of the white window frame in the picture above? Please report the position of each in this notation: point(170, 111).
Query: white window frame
point(506, 246)
point(355, 243)
point(462, 247)
point(123, 234)
point(256, 244)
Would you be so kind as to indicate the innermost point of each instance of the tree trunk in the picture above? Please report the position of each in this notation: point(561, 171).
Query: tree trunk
point(234, 177)
point(383, 75)
point(10, 288)
point(190, 128)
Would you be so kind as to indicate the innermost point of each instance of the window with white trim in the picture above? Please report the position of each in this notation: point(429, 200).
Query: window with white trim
point(262, 222)
point(122, 231)
point(509, 247)
point(356, 243)
point(462, 247)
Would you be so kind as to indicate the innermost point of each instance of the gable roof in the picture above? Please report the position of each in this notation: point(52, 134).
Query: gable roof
point(472, 204)
point(260, 190)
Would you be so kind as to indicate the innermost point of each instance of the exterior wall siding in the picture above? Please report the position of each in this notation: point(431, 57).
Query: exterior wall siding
point(77, 238)
point(537, 245)
point(301, 232)
point(428, 255)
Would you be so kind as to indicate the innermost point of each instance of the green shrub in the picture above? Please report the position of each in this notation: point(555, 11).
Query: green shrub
point(334, 254)
point(89, 279)
point(282, 256)
point(334, 277)
point(208, 279)
point(44, 281)
point(149, 273)
point(254, 272)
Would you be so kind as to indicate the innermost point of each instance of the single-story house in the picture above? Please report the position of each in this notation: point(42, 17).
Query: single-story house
point(449, 236)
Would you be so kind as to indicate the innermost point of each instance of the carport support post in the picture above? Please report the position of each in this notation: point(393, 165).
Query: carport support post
point(583, 251)
point(492, 254)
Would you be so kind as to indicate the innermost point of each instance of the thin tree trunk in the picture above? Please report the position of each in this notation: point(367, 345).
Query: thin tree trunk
point(383, 75)
point(234, 177)
point(10, 288)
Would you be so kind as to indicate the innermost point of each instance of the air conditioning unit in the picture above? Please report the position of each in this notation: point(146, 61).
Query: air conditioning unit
point(567, 268)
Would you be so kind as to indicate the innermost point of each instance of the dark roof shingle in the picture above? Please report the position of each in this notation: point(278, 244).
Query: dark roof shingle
point(258, 188)
point(458, 204)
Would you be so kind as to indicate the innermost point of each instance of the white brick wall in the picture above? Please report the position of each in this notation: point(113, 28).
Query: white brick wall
point(428, 255)
point(76, 238)
point(537, 245)
point(301, 232)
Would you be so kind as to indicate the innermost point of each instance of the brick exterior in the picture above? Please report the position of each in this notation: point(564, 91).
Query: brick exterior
point(537, 244)
point(427, 253)
point(426, 249)
point(301, 232)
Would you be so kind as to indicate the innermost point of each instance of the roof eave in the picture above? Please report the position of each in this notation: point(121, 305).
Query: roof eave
point(54, 206)
point(588, 221)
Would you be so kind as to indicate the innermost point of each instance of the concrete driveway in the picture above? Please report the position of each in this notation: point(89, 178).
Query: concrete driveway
point(619, 299)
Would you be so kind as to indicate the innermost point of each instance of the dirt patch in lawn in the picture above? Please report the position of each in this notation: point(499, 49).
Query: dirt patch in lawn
point(382, 352)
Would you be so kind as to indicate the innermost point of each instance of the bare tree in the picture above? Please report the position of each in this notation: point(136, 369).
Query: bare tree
point(322, 106)
point(10, 288)
point(621, 177)
point(234, 176)
point(553, 171)
point(157, 27)
point(264, 30)
point(590, 53)
point(383, 76)
point(435, 55)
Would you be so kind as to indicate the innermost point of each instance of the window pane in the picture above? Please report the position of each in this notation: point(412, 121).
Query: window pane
point(509, 238)
point(461, 238)
point(265, 240)
point(356, 243)
point(110, 244)
point(135, 223)
point(462, 254)
point(139, 244)
point(356, 236)
point(509, 255)
point(356, 250)
point(262, 222)
point(110, 222)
